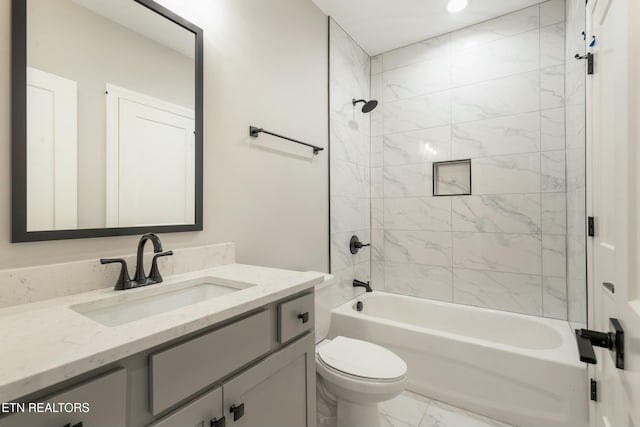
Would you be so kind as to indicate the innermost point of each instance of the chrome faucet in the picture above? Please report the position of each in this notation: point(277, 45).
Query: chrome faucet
point(141, 279)
point(357, 283)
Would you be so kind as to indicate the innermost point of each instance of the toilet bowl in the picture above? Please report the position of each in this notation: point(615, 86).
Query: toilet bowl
point(353, 376)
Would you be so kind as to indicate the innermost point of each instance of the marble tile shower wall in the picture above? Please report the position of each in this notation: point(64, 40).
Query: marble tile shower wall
point(350, 185)
point(576, 178)
point(493, 92)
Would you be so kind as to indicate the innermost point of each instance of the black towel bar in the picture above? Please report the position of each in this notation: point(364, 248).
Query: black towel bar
point(254, 132)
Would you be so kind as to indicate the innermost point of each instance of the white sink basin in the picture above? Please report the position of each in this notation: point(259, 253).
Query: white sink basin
point(148, 302)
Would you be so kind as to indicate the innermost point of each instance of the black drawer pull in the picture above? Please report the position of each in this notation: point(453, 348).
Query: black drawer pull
point(304, 316)
point(218, 422)
point(237, 411)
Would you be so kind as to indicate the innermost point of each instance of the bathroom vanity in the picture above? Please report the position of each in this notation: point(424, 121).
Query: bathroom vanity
point(241, 357)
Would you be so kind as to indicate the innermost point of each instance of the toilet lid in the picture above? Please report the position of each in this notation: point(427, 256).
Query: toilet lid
point(362, 359)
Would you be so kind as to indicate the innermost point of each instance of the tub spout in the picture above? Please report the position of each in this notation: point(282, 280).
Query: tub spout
point(357, 283)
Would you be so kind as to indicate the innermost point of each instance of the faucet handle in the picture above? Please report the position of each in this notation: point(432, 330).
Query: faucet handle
point(154, 274)
point(124, 280)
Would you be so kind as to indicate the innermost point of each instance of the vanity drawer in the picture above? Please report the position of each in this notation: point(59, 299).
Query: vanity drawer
point(181, 371)
point(199, 412)
point(106, 397)
point(295, 317)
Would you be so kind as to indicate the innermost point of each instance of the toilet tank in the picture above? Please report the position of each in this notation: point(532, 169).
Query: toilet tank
point(323, 306)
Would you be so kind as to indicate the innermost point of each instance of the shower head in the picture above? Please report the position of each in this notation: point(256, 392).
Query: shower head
point(368, 106)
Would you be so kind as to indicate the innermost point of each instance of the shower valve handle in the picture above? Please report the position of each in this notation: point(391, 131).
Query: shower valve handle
point(355, 244)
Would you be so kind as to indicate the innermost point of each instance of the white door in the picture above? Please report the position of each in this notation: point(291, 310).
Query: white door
point(613, 98)
point(52, 152)
point(150, 161)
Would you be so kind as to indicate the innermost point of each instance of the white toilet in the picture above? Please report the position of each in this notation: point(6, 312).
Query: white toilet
point(352, 375)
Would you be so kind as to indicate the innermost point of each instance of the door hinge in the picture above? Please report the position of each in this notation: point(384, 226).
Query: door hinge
point(594, 390)
point(591, 226)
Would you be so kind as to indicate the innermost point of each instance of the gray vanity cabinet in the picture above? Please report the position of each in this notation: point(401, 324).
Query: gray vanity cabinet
point(107, 405)
point(204, 411)
point(196, 364)
point(254, 370)
point(272, 393)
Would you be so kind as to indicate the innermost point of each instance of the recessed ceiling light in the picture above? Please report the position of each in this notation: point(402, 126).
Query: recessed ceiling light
point(454, 6)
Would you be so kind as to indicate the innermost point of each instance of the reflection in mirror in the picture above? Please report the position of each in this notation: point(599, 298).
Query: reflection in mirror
point(110, 116)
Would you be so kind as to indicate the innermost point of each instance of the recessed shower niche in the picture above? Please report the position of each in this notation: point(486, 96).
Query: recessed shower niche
point(452, 178)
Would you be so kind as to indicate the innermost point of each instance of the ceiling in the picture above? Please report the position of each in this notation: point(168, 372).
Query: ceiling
point(382, 25)
point(145, 22)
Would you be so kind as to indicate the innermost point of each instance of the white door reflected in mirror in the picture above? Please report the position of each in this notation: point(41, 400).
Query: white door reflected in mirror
point(150, 160)
point(52, 151)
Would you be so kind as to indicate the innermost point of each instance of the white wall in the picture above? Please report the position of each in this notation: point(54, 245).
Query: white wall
point(265, 64)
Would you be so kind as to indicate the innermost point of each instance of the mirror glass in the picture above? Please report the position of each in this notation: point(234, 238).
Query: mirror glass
point(111, 116)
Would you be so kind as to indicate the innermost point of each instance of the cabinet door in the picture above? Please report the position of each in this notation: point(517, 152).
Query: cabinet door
point(187, 368)
point(279, 391)
point(204, 411)
point(106, 397)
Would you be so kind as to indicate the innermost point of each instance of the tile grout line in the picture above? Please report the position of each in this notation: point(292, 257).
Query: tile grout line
point(540, 176)
point(451, 158)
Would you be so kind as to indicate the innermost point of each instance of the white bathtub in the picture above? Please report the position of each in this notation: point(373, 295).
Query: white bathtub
point(523, 370)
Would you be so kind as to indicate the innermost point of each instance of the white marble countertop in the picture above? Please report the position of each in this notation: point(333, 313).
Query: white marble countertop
point(46, 342)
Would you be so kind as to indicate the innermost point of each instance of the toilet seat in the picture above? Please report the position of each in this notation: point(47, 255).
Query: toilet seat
point(362, 360)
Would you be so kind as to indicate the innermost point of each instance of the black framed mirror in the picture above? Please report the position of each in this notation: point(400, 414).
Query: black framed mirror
point(107, 120)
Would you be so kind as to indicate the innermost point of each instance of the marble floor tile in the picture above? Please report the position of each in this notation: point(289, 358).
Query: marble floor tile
point(387, 421)
point(412, 410)
point(442, 415)
point(408, 408)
